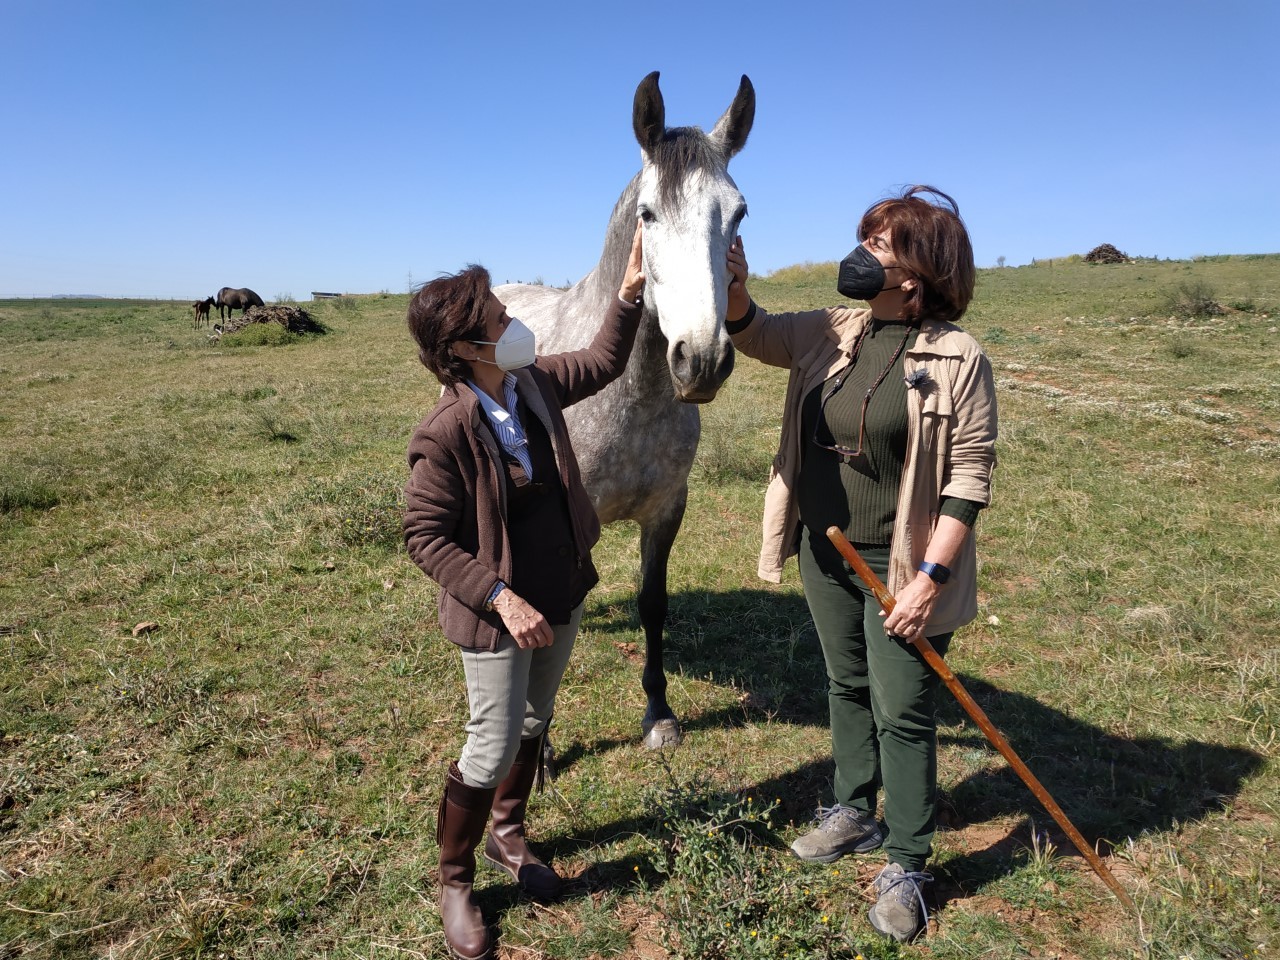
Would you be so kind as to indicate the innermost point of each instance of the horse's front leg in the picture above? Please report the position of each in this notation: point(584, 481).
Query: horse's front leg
point(660, 726)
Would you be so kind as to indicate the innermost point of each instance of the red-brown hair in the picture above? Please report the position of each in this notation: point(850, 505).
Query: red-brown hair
point(449, 308)
point(931, 243)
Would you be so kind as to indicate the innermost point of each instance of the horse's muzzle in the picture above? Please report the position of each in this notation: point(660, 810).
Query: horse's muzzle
point(698, 376)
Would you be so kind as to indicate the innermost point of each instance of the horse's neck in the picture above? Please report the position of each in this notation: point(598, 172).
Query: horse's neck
point(647, 374)
point(603, 282)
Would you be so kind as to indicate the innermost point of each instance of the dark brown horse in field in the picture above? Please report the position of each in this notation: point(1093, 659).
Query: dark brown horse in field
point(201, 308)
point(236, 298)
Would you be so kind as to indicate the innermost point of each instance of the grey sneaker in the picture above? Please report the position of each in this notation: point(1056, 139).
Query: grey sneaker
point(840, 830)
point(899, 913)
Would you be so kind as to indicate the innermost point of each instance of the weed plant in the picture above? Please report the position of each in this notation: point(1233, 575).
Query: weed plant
point(1192, 298)
point(260, 335)
point(725, 897)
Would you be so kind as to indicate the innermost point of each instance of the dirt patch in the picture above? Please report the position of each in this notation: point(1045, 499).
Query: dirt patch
point(645, 927)
point(629, 651)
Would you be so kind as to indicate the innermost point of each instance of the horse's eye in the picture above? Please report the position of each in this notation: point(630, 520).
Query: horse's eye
point(647, 215)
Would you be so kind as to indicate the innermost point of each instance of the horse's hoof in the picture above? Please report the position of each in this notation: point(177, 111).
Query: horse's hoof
point(659, 734)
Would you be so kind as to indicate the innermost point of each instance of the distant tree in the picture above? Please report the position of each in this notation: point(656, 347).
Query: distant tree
point(999, 261)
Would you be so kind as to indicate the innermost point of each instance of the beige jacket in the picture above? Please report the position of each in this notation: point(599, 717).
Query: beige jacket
point(951, 435)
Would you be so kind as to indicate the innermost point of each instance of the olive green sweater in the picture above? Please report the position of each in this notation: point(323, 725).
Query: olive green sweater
point(860, 495)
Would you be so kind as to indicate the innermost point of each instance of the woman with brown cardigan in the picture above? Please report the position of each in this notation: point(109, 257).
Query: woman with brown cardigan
point(497, 515)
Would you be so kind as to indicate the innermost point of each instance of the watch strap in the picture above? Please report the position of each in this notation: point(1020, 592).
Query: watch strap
point(935, 572)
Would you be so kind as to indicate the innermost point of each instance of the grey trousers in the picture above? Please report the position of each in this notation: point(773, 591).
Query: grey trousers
point(511, 693)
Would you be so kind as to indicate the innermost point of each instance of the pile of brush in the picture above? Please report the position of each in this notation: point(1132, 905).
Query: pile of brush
point(292, 318)
point(1106, 254)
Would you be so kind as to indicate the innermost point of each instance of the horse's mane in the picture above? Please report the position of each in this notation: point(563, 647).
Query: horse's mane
point(681, 151)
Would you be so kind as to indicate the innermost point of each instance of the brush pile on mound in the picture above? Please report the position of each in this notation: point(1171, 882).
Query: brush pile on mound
point(1106, 254)
point(292, 318)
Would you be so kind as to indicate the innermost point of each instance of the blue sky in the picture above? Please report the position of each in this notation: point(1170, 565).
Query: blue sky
point(165, 149)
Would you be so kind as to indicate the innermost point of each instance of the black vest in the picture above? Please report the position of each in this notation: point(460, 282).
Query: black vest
point(545, 567)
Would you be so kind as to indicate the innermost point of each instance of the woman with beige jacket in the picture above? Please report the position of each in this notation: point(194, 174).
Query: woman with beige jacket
point(888, 432)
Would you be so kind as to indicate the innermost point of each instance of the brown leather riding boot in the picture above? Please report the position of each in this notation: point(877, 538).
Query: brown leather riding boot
point(463, 813)
point(506, 847)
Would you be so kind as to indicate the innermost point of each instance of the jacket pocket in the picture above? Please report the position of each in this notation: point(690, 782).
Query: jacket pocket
point(936, 414)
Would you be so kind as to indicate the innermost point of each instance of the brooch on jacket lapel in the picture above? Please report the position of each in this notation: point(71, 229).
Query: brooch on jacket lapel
point(918, 379)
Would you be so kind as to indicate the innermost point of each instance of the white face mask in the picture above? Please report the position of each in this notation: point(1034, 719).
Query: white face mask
point(516, 347)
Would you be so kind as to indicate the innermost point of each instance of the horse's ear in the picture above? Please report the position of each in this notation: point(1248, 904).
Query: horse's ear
point(731, 130)
point(648, 115)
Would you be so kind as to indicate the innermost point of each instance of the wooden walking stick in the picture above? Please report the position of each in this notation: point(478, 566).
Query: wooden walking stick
point(921, 643)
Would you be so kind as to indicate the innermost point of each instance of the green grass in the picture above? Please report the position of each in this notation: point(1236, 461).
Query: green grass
point(256, 775)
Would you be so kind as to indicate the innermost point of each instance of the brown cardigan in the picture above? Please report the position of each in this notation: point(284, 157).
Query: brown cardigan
point(455, 512)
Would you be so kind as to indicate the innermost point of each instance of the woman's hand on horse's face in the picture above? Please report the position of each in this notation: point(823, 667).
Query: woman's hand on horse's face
point(739, 299)
point(633, 278)
point(525, 624)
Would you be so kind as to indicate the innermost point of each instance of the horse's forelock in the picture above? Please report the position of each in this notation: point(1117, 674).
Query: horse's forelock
point(682, 151)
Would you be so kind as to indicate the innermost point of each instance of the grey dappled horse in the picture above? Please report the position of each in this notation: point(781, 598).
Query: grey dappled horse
point(636, 439)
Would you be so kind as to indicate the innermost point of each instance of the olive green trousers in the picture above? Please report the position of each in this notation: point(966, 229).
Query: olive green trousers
point(882, 696)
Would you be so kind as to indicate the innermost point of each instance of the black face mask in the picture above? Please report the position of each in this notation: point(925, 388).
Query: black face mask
point(861, 276)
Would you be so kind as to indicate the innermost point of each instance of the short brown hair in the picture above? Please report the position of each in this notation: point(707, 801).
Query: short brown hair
point(449, 308)
point(931, 243)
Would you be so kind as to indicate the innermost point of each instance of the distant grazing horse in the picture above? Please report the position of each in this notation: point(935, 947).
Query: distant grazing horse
point(230, 298)
point(636, 439)
point(201, 308)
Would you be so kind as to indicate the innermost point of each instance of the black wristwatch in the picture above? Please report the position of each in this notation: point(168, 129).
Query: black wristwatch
point(935, 572)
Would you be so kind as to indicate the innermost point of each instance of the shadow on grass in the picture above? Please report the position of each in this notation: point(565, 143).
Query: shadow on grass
point(755, 640)
point(1110, 787)
point(763, 644)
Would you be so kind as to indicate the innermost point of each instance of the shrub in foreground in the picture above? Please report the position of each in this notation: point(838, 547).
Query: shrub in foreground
point(1192, 298)
point(260, 335)
point(727, 896)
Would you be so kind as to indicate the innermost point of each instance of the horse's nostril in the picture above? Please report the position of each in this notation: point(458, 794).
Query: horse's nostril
point(725, 367)
point(681, 351)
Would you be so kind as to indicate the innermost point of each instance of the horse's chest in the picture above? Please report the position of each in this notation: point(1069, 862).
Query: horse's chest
point(631, 457)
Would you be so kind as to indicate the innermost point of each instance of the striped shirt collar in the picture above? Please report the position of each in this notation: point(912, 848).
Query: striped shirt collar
point(506, 421)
